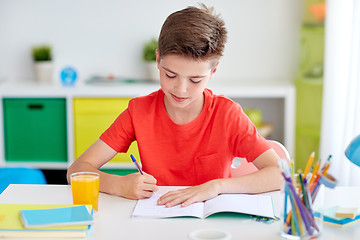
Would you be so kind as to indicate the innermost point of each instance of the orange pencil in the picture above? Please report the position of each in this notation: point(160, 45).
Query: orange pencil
point(314, 172)
point(326, 168)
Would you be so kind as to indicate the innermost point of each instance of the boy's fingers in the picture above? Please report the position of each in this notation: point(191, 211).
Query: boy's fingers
point(150, 187)
point(174, 200)
point(146, 194)
point(188, 202)
point(150, 179)
point(167, 197)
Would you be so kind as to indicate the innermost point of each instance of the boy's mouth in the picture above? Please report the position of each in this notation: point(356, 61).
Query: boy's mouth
point(178, 99)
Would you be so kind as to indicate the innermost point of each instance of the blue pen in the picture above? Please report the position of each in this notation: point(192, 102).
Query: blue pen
point(136, 164)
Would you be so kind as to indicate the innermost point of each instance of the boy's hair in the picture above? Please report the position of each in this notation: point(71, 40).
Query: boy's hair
point(193, 32)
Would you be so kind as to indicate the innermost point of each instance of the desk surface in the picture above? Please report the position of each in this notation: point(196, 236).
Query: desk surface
point(113, 220)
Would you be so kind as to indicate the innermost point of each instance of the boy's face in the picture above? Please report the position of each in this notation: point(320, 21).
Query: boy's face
point(183, 80)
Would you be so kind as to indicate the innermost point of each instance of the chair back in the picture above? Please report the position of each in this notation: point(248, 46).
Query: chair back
point(241, 166)
point(20, 175)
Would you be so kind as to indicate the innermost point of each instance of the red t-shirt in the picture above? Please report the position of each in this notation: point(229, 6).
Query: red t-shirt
point(189, 154)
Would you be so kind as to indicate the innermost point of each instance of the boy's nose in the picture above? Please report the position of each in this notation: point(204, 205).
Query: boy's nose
point(181, 86)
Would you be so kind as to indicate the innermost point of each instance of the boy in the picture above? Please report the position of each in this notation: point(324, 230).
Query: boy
point(187, 136)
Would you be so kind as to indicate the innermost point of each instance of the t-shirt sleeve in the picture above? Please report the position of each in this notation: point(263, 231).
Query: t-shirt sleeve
point(120, 134)
point(245, 141)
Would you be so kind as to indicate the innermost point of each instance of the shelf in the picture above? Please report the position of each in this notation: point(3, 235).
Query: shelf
point(276, 101)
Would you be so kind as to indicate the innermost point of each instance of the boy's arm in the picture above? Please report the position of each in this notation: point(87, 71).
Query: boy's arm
point(268, 178)
point(133, 186)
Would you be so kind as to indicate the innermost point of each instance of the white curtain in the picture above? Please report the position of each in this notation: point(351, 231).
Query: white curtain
point(341, 96)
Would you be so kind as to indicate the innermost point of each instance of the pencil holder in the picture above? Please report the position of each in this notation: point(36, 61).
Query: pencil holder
point(302, 208)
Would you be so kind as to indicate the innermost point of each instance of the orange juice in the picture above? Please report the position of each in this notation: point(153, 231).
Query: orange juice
point(85, 188)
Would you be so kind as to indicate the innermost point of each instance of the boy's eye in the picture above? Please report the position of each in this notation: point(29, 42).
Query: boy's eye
point(170, 76)
point(195, 81)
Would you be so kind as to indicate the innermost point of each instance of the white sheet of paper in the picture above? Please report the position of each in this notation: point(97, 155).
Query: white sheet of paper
point(241, 203)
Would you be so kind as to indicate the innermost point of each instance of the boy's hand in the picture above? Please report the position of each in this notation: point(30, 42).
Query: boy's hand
point(190, 195)
point(137, 186)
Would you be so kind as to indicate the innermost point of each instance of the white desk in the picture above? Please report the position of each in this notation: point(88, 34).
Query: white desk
point(113, 220)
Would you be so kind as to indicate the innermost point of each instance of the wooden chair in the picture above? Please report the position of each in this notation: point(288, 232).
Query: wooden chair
point(242, 167)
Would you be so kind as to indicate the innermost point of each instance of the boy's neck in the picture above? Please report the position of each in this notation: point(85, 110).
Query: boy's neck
point(186, 115)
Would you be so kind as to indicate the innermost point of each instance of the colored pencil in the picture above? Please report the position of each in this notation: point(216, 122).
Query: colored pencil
point(309, 163)
point(315, 171)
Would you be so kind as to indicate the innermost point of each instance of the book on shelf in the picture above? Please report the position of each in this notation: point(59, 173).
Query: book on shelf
point(11, 225)
point(258, 205)
point(330, 217)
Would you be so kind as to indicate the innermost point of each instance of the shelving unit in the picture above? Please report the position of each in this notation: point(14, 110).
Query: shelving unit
point(277, 103)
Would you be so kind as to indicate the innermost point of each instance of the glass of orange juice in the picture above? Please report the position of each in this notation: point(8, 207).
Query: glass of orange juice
point(85, 188)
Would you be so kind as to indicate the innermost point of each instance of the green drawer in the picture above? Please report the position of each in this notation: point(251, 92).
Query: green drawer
point(35, 129)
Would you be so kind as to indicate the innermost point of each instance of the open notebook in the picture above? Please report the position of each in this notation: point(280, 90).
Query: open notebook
point(259, 205)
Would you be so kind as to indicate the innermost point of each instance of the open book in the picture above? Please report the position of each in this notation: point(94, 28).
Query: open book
point(259, 205)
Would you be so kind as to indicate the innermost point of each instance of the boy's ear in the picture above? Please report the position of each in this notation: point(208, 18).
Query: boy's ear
point(215, 68)
point(157, 57)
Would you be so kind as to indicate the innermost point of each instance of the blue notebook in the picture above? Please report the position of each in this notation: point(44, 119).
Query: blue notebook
point(54, 217)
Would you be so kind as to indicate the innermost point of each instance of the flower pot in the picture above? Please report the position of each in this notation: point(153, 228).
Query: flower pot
point(44, 71)
point(152, 71)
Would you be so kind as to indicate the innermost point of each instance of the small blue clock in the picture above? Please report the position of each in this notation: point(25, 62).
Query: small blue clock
point(68, 76)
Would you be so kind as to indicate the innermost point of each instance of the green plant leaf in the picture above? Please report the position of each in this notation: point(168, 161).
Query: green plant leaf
point(149, 50)
point(41, 53)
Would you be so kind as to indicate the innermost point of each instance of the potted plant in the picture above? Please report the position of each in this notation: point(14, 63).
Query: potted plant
point(149, 56)
point(43, 64)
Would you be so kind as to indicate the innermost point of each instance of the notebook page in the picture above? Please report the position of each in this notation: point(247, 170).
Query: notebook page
point(148, 208)
point(259, 205)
